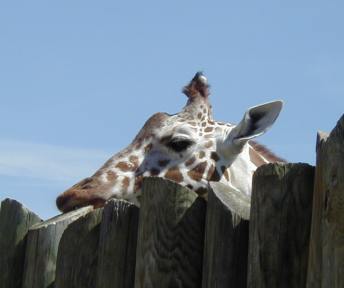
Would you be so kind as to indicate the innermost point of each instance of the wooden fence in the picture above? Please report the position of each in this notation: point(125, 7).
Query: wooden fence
point(290, 234)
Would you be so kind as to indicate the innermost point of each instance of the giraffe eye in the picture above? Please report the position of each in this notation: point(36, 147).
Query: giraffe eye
point(178, 144)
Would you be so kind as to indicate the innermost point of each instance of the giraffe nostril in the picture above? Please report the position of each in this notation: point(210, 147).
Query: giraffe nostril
point(61, 201)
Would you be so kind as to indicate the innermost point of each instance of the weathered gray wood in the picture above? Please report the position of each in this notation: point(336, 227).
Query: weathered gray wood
point(117, 245)
point(76, 264)
point(15, 221)
point(41, 249)
point(326, 260)
point(226, 238)
point(170, 237)
point(315, 246)
point(280, 225)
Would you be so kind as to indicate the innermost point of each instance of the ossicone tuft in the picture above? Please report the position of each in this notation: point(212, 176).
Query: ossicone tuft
point(198, 86)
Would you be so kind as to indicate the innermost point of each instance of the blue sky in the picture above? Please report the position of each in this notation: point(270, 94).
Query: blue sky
point(79, 78)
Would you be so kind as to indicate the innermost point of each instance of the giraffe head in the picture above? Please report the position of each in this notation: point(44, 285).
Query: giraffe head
point(189, 148)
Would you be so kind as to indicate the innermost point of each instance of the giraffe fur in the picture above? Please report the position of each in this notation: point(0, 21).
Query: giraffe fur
point(188, 147)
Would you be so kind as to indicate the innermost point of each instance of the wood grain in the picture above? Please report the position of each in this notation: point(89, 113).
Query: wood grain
point(326, 259)
point(226, 239)
point(280, 225)
point(41, 249)
point(76, 264)
point(117, 245)
point(170, 236)
point(15, 221)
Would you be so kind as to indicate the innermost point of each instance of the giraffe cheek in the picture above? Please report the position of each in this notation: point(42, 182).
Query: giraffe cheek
point(97, 202)
point(174, 175)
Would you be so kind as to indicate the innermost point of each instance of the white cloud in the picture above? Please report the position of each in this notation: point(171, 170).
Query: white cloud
point(48, 162)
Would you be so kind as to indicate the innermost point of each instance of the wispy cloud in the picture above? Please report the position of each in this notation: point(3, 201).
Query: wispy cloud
point(48, 162)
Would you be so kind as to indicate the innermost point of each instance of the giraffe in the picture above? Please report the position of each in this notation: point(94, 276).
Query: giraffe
point(189, 148)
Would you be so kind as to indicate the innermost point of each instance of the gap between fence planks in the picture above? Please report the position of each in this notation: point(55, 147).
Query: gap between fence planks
point(76, 264)
point(42, 246)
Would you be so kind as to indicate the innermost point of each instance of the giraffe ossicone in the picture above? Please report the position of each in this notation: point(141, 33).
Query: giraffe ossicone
point(189, 148)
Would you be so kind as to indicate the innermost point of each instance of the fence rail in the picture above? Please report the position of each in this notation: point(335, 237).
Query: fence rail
point(289, 235)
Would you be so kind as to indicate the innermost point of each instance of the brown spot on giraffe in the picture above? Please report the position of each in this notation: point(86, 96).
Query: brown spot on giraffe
point(215, 176)
point(209, 144)
point(190, 161)
point(201, 154)
point(111, 176)
point(138, 182)
point(154, 171)
point(197, 172)
point(138, 144)
point(148, 148)
point(174, 174)
point(189, 186)
point(125, 166)
point(208, 129)
point(125, 183)
point(134, 160)
point(210, 172)
point(214, 156)
point(163, 163)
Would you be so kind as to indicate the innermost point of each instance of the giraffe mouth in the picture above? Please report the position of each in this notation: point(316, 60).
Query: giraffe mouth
point(66, 203)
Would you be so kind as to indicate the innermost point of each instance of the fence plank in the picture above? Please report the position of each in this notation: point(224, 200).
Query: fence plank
point(15, 221)
point(117, 245)
point(76, 264)
point(226, 239)
point(315, 250)
point(170, 236)
point(280, 225)
point(41, 249)
point(326, 261)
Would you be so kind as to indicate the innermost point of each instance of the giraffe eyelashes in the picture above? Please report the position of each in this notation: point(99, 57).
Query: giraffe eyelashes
point(179, 144)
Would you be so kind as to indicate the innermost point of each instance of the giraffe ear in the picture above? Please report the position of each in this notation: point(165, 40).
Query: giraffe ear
point(257, 120)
